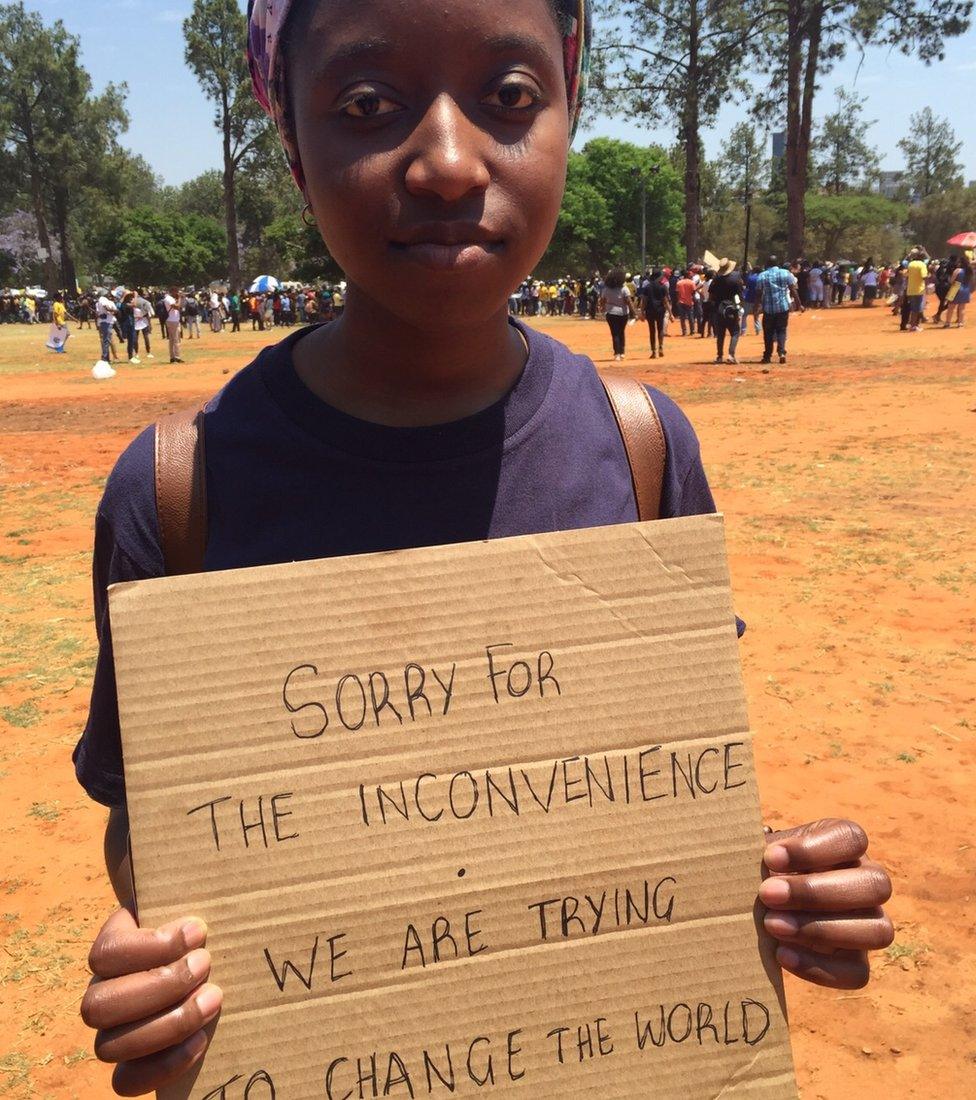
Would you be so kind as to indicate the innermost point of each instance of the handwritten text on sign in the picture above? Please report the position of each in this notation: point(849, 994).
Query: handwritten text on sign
point(499, 832)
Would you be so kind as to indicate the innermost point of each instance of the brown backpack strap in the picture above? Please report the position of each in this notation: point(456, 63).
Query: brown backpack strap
point(181, 491)
point(643, 436)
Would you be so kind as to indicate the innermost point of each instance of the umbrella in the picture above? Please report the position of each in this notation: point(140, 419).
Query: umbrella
point(963, 240)
point(263, 283)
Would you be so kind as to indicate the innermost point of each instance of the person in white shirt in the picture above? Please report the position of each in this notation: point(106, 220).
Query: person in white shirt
point(105, 315)
point(172, 303)
point(143, 315)
point(216, 317)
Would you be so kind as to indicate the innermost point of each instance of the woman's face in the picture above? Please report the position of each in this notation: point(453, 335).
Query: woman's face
point(433, 135)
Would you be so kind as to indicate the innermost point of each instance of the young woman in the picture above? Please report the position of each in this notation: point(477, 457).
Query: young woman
point(617, 304)
point(959, 293)
point(656, 298)
point(725, 295)
point(126, 318)
point(440, 172)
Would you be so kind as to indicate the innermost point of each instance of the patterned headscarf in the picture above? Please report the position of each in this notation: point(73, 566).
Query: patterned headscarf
point(266, 22)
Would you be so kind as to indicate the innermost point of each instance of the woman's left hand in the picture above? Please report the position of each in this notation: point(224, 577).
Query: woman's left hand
point(823, 899)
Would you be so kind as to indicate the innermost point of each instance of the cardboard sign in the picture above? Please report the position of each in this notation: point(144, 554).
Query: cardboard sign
point(462, 820)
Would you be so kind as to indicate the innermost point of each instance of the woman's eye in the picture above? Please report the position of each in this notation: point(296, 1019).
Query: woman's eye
point(368, 105)
point(513, 97)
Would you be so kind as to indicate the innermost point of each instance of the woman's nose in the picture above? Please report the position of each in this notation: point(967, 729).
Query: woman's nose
point(448, 163)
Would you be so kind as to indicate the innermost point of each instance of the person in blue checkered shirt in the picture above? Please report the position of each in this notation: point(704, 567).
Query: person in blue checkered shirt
point(776, 288)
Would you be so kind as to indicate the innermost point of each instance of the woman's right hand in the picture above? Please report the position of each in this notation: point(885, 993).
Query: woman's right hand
point(149, 1000)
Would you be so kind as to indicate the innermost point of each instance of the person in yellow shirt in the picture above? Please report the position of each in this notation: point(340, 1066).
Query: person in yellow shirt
point(58, 335)
point(918, 270)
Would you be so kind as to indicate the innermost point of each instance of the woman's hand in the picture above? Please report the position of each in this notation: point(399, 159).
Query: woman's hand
point(149, 1000)
point(824, 900)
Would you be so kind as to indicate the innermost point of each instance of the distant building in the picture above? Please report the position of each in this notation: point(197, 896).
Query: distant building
point(890, 184)
point(779, 144)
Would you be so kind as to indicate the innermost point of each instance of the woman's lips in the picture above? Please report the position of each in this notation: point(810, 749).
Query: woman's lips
point(459, 256)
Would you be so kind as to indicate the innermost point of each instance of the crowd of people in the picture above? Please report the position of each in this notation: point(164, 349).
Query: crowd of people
point(717, 301)
point(125, 319)
point(723, 302)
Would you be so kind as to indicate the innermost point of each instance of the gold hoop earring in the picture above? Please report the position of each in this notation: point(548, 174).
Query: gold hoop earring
point(308, 218)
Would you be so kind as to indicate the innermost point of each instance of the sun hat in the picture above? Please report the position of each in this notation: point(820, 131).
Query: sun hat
point(726, 266)
point(266, 21)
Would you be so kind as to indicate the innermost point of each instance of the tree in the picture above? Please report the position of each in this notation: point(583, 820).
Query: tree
point(19, 244)
point(940, 216)
point(931, 149)
point(39, 75)
point(600, 219)
point(742, 164)
point(144, 246)
point(851, 224)
point(675, 60)
point(811, 36)
point(216, 40)
point(58, 138)
point(79, 162)
point(743, 170)
point(843, 159)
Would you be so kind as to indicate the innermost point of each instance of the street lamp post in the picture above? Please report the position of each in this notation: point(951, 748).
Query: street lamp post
point(641, 176)
point(748, 198)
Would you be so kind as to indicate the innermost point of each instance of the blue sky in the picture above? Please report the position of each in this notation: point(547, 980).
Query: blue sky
point(140, 42)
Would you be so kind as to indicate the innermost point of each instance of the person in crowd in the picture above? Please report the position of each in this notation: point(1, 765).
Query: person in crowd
point(215, 311)
point(943, 280)
point(706, 327)
point(617, 305)
point(801, 272)
point(174, 305)
point(143, 314)
point(85, 312)
point(959, 294)
point(869, 283)
point(235, 310)
point(57, 338)
point(777, 287)
point(815, 285)
point(106, 309)
point(725, 294)
point(126, 318)
point(916, 275)
point(656, 305)
point(684, 292)
point(191, 315)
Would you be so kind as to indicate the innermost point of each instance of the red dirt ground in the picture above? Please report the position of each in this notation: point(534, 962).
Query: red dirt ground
point(847, 482)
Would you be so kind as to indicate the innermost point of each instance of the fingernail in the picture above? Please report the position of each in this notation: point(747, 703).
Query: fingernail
point(194, 933)
point(198, 963)
point(209, 1000)
point(774, 891)
point(776, 857)
point(787, 958)
point(781, 924)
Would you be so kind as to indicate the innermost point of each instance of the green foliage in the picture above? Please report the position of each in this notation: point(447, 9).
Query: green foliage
point(216, 50)
point(600, 220)
point(940, 216)
point(931, 153)
point(149, 247)
point(675, 62)
point(203, 195)
point(843, 160)
point(299, 250)
point(858, 224)
point(742, 164)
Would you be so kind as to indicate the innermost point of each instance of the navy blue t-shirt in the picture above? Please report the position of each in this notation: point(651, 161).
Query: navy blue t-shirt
point(291, 478)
